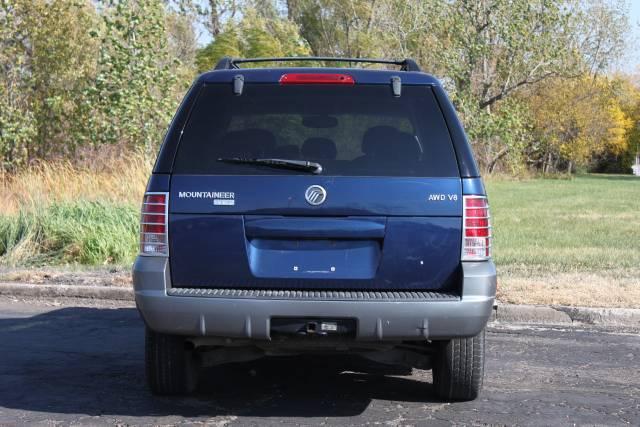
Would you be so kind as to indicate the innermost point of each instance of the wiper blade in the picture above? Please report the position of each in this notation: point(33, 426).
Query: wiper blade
point(300, 165)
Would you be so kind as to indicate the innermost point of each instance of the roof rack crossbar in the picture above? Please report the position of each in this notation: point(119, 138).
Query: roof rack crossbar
point(228, 63)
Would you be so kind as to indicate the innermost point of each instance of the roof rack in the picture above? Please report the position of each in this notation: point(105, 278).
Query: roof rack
point(228, 63)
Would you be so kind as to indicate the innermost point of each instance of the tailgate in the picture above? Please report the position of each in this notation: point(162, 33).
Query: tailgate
point(375, 233)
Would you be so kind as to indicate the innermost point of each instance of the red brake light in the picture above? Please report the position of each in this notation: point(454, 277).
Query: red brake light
point(476, 232)
point(153, 225)
point(155, 198)
point(316, 78)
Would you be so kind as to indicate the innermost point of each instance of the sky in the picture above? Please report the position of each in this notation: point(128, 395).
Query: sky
point(631, 63)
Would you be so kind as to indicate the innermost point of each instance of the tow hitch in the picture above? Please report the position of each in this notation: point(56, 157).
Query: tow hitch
point(313, 327)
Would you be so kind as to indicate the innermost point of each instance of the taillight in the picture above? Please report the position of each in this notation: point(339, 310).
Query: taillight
point(476, 229)
point(316, 78)
point(153, 225)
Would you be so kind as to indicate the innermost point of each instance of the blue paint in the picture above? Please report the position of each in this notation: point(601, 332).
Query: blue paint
point(284, 195)
point(473, 186)
point(215, 251)
point(313, 258)
point(158, 182)
point(319, 228)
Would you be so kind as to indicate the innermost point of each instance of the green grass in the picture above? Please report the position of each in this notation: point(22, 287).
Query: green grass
point(90, 233)
point(585, 224)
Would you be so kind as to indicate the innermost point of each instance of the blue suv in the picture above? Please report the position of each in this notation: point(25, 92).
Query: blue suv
point(315, 210)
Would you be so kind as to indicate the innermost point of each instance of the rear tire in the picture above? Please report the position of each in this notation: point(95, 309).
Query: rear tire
point(170, 366)
point(458, 368)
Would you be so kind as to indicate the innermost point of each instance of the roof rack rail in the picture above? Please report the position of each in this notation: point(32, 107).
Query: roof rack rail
point(228, 63)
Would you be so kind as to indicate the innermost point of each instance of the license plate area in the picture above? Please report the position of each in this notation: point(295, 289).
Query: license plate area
point(333, 259)
point(312, 327)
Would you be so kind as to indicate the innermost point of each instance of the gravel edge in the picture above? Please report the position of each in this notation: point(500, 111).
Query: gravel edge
point(112, 293)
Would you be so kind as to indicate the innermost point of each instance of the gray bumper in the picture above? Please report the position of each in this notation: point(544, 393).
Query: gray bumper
point(249, 318)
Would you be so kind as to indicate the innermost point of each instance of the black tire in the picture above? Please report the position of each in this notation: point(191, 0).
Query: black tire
point(458, 368)
point(170, 366)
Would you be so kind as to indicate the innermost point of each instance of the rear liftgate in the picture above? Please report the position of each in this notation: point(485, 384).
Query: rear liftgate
point(242, 227)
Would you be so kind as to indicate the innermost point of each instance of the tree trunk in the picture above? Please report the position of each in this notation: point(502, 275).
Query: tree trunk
point(290, 13)
point(547, 163)
point(214, 18)
point(496, 159)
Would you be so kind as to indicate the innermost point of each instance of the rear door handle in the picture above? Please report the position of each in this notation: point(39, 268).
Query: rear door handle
point(314, 227)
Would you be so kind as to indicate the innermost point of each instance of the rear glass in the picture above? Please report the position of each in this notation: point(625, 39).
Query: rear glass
point(360, 130)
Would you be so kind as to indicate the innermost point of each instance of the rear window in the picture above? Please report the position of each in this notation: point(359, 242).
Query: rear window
point(360, 130)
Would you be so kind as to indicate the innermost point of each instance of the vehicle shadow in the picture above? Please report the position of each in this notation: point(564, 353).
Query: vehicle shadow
point(90, 361)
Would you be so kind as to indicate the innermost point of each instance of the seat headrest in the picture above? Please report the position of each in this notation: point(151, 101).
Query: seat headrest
point(389, 143)
point(376, 138)
point(406, 147)
point(319, 148)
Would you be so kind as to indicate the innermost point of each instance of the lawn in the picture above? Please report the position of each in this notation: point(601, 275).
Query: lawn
point(568, 241)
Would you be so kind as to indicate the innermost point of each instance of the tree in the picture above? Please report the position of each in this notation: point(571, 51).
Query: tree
point(17, 123)
point(93, 72)
point(494, 48)
point(254, 36)
point(353, 28)
point(489, 49)
point(620, 153)
point(47, 59)
point(182, 46)
point(575, 120)
point(134, 92)
point(227, 43)
point(211, 15)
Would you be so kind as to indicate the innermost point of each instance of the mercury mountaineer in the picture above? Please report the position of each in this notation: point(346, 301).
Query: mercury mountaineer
point(315, 210)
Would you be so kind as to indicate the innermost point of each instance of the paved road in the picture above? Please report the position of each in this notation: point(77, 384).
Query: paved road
point(83, 365)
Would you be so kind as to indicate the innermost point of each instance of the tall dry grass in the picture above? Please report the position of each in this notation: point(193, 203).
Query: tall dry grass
point(118, 179)
point(84, 213)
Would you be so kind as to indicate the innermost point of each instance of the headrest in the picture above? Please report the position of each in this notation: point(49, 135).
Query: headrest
point(376, 138)
point(319, 148)
point(406, 147)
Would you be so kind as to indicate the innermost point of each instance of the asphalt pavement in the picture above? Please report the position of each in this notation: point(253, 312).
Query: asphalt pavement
point(72, 364)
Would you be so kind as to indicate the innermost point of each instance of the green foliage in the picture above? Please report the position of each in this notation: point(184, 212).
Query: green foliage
point(84, 232)
point(181, 48)
point(47, 57)
point(132, 98)
point(17, 126)
point(494, 49)
point(227, 43)
point(253, 37)
point(17, 130)
point(80, 73)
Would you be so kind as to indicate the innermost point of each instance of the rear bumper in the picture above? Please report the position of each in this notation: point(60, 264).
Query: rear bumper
point(377, 319)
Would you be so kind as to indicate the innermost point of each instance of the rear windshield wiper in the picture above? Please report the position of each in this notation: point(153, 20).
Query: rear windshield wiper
point(300, 165)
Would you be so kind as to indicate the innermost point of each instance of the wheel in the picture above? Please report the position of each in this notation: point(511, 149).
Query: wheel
point(169, 365)
point(458, 368)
